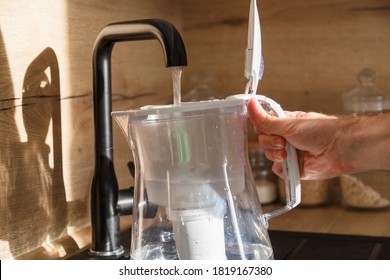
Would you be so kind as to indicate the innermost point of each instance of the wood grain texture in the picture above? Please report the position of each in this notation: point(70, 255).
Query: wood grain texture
point(332, 219)
point(313, 51)
point(46, 112)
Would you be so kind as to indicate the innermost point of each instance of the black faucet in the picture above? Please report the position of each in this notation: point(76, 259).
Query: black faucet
point(107, 202)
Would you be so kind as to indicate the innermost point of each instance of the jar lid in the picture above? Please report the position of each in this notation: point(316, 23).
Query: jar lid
point(366, 97)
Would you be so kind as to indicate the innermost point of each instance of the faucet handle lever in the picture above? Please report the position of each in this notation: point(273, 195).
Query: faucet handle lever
point(126, 199)
point(131, 167)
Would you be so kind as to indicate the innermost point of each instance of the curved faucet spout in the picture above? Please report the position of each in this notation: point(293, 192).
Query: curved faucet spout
point(104, 193)
point(146, 29)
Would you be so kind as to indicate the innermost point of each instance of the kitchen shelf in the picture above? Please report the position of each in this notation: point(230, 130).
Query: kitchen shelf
point(332, 219)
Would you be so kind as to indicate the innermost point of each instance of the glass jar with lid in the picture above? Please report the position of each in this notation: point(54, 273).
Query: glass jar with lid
point(314, 192)
point(366, 97)
point(369, 190)
point(265, 179)
point(202, 89)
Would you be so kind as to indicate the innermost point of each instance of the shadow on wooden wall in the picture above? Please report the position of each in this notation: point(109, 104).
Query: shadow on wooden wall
point(34, 209)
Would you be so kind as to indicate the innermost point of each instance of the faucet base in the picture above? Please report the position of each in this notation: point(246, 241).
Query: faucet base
point(118, 252)
point(86, 254)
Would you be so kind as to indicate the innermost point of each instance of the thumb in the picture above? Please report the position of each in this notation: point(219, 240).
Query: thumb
point(263, 121)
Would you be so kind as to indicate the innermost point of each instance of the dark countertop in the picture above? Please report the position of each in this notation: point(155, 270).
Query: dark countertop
point(316, 246)
point(289, 245)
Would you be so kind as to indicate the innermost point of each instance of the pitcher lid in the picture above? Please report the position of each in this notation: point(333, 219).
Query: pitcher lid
point(185, 109)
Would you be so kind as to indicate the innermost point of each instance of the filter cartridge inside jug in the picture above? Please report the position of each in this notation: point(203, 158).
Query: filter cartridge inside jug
point(199, 233)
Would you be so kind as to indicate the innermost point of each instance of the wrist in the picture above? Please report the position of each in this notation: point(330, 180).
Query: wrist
point(364, 143)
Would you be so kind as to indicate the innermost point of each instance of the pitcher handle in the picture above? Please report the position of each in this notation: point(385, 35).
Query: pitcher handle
point(290, 166)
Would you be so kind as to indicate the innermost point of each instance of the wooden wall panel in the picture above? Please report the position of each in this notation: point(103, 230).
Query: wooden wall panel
point(46, 111)
point(313, 50)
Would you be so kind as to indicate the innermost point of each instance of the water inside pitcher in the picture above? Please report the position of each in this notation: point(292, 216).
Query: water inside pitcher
point(192, 162)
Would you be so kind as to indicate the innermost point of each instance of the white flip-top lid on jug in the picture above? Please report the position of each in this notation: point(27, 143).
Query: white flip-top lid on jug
point(184, 109)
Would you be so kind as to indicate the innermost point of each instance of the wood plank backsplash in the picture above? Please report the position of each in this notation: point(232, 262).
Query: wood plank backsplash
point(312, 51)
point(46, 112)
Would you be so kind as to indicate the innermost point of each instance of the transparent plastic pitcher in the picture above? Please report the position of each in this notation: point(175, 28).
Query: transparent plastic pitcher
point(191, 161)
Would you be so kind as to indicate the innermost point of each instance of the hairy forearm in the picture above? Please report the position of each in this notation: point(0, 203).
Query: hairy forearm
point(327, 146)
point(364, 143)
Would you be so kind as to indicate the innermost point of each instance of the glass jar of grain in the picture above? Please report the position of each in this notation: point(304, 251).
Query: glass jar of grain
point(369, 190)
point(313, 192)
point(265, 179)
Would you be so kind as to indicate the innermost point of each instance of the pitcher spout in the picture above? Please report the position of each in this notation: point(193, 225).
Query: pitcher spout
point(122, 119)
